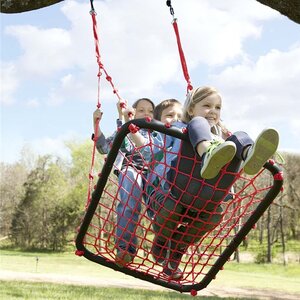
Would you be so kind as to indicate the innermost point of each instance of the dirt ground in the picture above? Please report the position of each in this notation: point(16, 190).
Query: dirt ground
point(139, 284)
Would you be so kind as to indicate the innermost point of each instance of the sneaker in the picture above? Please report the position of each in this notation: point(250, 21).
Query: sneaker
point(171, 269)
point(123, 258)
point(176, 274)
point(261, 151)
point(159, 250)
point(216, 157)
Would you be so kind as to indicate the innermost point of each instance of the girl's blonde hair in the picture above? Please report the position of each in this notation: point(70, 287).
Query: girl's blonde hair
point(195, 96)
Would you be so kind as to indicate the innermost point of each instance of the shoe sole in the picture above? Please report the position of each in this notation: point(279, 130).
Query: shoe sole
point(173, 275)
point(264, 148)
point(123, 259)
point(217, 161)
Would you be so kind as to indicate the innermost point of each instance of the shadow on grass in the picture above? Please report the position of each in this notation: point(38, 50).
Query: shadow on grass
point(11, 290)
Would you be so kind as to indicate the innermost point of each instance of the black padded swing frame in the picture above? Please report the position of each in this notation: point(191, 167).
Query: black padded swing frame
point(224, 256)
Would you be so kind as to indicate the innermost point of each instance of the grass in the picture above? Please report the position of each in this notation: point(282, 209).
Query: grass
point(35, 291)
point(68, 265)
point(265, 276)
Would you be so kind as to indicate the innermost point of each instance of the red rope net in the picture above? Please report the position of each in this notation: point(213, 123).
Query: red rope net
point(196, 223)
point(187, 216)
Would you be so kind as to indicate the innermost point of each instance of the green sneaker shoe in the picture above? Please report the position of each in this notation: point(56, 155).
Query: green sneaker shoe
point(261, 151)
point(216, 157)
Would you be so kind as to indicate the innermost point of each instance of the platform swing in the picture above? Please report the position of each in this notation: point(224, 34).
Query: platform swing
point(206, 257)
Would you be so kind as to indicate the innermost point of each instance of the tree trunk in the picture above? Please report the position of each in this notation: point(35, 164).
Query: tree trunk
point(269, 220)
point(261, 229)
point(289, 8)
point(282, 233)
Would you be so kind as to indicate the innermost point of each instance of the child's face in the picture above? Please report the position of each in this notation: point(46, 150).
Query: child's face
point(171, 114)
point(144, 109)
point(208, 108)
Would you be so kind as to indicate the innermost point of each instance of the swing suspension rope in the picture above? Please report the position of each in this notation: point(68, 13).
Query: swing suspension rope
point(101, 70)
point(180, 49)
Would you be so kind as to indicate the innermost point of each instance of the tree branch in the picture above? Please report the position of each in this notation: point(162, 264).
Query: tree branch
point(288, 8)
point(19, 6)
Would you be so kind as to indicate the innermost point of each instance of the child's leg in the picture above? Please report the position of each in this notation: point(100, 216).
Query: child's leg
point(242, 141)
point(187, 235)
point(128, 210)
point(198, 225)
point(199, 131)
point(165, 221)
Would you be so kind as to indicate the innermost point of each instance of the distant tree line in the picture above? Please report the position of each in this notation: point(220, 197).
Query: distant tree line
point(43, 200)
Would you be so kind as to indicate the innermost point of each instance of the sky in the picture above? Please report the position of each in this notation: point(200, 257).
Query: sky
point(49, 83)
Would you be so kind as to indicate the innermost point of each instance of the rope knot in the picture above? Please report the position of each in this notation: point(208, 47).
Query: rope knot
point(133, 128)
point(123, 104)
point(184, 130)
point(189, 87)
point(79, 252)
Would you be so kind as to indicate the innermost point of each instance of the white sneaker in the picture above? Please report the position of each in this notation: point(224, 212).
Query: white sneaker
point(261, 151)
point(216, 157)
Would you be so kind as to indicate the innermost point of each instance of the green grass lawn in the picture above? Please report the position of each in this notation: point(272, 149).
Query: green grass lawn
point(35, 291)
point(251, 276)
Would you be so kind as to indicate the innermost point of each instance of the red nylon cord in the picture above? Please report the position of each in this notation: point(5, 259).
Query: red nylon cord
point(202, 254)
point(101, 69)
point(182, 57)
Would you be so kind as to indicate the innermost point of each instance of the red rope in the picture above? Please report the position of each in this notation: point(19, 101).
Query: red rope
point(181, 54)
point(182, 57)
point(115, 91)
point(98, 56)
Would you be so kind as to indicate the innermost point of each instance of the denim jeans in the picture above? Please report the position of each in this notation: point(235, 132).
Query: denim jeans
point(182, 225)
point(128, 209)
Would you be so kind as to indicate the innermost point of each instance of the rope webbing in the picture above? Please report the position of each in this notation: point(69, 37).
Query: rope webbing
point(212, 233)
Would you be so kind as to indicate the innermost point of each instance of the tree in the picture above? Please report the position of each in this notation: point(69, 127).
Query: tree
point(27, 213)
point(12, 190)
point(289, 8)
point(45, 190)
point(291, 199)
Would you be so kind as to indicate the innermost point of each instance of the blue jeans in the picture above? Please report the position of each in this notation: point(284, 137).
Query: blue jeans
point(131, 185)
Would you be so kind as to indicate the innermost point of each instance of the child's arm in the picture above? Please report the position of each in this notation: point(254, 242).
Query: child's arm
point(102, 144)
point(121, 106)
point(97, 116)
point(225, 132)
